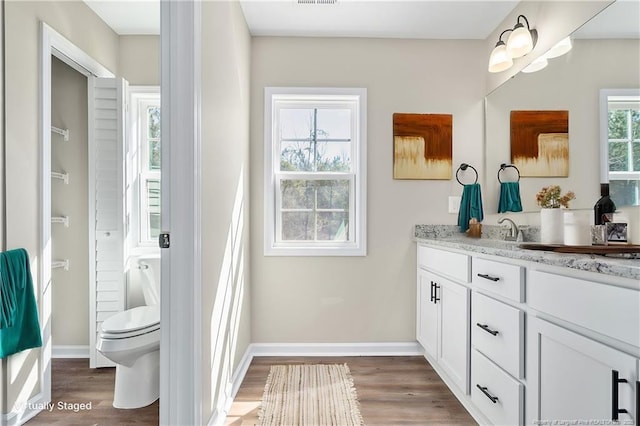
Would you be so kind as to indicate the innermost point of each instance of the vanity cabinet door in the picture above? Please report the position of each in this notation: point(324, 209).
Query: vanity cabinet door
point(573, 378)
point(454, 331)
point(427, 316)
point(443, 325)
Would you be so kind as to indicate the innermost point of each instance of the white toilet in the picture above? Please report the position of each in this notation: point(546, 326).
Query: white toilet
point(131, 339)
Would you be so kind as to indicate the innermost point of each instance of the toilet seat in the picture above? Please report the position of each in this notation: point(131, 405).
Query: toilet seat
point(131, 323)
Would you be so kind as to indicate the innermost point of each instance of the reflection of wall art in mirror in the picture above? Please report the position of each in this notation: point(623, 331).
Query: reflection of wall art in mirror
point(422, 146)
point(540, 143)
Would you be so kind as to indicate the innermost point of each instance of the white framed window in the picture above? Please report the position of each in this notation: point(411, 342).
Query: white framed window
point(315, 171)
point(622, 145)
point(144, 160)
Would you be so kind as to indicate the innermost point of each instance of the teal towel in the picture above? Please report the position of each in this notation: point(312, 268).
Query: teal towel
point(509, 197)
point(470, 206)
point(19, 326)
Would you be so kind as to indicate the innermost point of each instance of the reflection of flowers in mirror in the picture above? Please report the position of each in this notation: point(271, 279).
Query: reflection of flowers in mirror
point(550, 197)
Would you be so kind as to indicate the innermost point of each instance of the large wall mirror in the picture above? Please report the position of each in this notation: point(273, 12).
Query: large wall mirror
point(605, 55)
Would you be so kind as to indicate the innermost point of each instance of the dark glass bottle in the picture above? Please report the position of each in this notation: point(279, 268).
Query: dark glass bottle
point(604, 206)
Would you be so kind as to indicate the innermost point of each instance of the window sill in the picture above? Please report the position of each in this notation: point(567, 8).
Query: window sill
point(315, 251)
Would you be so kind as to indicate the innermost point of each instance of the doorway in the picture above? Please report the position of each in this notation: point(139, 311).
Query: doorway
point(69, 211)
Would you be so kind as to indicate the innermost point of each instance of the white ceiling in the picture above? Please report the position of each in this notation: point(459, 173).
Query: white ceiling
point(129, 16)
point(443, 19)
point(449, 19)
point(374, 18)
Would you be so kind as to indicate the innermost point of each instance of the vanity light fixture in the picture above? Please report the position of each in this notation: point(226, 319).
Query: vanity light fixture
point(536, 65)
point(562, 47)
point(500, 59)
point(521, 40)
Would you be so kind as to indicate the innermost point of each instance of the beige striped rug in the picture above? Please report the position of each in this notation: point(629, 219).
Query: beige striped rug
point(310, 395)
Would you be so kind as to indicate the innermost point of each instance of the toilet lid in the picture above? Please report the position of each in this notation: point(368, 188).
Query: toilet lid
point(134, 319)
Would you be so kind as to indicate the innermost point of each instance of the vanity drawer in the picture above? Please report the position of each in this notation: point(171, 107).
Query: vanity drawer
point(447, 263)
point(501, 398)
point(498, 332)
point(499, 278)
point(606, 309)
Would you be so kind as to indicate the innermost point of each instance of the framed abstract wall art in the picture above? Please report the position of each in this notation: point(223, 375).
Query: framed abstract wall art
point(422, 146)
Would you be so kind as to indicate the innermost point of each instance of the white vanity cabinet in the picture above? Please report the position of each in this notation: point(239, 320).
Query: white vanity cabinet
point(575, 368)
point(443, 311)
point(497, 340)
point(573, 377)
point(522, 342)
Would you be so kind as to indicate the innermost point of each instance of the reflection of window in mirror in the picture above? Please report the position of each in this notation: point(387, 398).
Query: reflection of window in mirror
point(621, 144)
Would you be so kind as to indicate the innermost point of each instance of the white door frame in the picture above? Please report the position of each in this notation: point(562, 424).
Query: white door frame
point(52, 43)
point(180, 341)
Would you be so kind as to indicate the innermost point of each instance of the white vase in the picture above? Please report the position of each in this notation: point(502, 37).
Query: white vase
point(577, 228)
point(551, 226)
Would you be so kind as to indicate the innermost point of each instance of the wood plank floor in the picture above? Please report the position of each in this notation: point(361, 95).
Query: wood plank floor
point(73, 382)
point(391, 390)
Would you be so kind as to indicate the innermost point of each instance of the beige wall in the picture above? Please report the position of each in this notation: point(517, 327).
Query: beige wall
point(139, 61)
point(78, 23)
point(224, 198)
point(70, 289)
point(372, 298)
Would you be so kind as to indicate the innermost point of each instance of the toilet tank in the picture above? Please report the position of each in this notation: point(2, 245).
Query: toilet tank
point(144, 281)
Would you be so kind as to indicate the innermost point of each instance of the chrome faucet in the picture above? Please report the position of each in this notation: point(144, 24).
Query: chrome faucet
point(515, 234)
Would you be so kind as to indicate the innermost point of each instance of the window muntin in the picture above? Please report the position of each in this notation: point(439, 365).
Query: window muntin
point(147, 143)
point(315, 190)
point(624, 149)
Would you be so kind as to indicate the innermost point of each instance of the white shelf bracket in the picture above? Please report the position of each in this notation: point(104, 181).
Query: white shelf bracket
point(63, 132)
point(62, 176)
point(61, 219)
point(64, 264)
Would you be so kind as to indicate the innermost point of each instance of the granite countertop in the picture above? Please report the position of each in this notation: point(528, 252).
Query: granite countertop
point(491, 243)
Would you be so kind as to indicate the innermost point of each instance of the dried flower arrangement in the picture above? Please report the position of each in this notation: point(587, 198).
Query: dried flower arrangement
point(549, 197)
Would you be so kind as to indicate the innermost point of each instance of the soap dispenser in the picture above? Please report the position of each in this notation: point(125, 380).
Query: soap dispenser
point(604, 208)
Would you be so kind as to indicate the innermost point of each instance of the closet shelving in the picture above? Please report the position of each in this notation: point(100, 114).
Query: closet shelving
point(63, 132)
point(63, 176)
point(61, 219)
point(62, 263)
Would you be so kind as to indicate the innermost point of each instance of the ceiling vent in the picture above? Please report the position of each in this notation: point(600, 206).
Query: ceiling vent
point(317, 1)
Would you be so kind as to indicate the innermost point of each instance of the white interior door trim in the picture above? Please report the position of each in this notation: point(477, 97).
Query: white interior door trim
point(180, 340)
point(52, 43)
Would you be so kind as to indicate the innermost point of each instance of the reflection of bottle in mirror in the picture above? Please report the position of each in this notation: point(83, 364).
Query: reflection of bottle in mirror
point(604, 208)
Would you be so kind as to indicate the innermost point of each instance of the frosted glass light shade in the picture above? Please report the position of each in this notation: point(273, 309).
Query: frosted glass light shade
point(562, 47)
point(520, 42)
point(536, 65)
point(499, 59)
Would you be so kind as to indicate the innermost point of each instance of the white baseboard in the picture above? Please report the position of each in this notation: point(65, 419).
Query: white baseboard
point(70, 351)
point(308, 349)
point(21, 413)
point(336, 349)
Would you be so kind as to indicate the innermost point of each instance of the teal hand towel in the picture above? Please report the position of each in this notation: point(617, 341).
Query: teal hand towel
point(19, 325)
point(470, 206)
point(509, 197)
